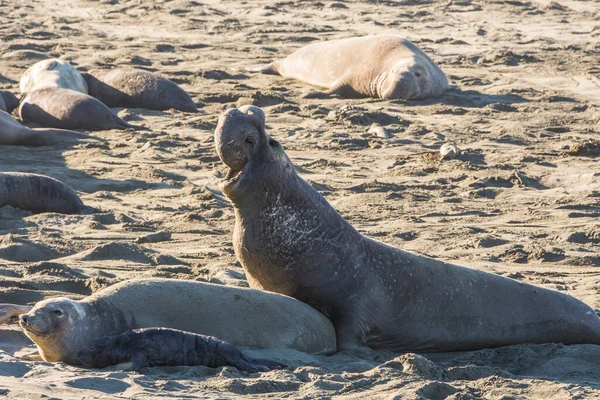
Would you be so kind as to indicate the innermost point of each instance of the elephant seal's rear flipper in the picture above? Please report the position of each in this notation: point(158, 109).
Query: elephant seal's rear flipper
point(264, 69)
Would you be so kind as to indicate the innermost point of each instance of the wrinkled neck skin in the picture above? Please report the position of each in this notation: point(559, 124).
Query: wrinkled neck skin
point(290, 240)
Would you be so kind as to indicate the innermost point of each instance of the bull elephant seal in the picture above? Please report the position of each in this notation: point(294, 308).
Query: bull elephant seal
point(243, 317)
point(8, 101)
point(39, 194)
point(52, 73)
point(291, 241)
point(138, 89)
point(68, 109)
point(160, 347)
point(15, 134)
point(379, 66)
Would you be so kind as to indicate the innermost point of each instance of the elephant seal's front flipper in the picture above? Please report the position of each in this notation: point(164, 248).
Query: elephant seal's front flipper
point(8, 101)
point(159, 347)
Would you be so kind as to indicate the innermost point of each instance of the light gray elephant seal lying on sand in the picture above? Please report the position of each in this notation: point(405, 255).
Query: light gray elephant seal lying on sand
point(290, 240)
point(135, 88)
point(160, 347)
point(379, 66)
point(52, 73)
point(61, 328)
point(68, 109)
point(39, 194)
point(15, 134)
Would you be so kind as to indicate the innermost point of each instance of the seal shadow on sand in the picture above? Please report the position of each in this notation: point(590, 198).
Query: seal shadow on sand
point(455, 96)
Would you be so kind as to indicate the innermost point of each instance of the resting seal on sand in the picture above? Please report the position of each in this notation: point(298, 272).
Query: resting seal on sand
point(139, 89)
point(52, 73)
point(68, 109)
point(379, 66)
point(39, 194)
point(290, 240)
point(8, 101)
point(244, 317)
point(11, 312)
point(160, 347)
point(15, 134)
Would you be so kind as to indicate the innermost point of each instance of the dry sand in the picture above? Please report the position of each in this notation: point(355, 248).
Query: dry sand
point(525, 78)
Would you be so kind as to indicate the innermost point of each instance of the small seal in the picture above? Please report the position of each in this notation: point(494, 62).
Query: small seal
point(379, 66)
point(68, 109)
point(162, 347)
point(39, 194)
point(52, 73)
point(12, 133)
point(137, 89)
point(61, 328)
point(10, 312)
point(290, 240)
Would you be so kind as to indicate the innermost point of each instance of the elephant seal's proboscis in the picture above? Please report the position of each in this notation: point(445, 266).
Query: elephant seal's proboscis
point(61, 328)
point(290, 240)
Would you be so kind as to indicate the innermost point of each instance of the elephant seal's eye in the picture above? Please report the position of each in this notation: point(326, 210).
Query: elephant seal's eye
point(58, 313)
point(273, 143)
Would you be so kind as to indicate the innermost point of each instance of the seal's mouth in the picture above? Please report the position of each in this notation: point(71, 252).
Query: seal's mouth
point(31, 327)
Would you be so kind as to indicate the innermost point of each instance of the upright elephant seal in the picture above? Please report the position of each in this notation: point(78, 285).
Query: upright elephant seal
point(14, 134)
point(139, 89)
point(52, 73)
point(8, 101)
point(39, 194)
point(68, 109)
point(243, 317)
point(162, 347)
point(291, 241)
point(379, 66)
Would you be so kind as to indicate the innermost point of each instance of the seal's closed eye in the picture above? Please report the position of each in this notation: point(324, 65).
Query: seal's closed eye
point(58, 313)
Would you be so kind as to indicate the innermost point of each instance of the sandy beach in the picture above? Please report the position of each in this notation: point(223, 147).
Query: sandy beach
point(522, 200)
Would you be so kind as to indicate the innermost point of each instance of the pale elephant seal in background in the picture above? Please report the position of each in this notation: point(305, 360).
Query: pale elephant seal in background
point(379, 66)
point(10, 312)
point(291, 241)
point(8, 101)
point(14, 134)
point(68, 109)
point(39, 194)
point(52, 73)
point(137, 89)
point(62, 328)
point(162, 347)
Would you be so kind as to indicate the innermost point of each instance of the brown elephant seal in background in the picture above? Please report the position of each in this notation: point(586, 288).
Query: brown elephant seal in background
point(10, 312)
point(163, 347)
point(39, 194)
point(378, 66)
point(8, 101)
point(137, 89)
point(52, 73)
point(68, 109)
point(61, 328)
point(15, 134)
point(290, 240)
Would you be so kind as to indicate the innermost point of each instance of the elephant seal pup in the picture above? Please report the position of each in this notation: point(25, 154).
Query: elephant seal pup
point(137, 89)
point(243, 317)
point(10, 312)
point(39, 194)
point(14, 134)
point(162, 347)
point(8, 101)
point(379, 66)
point(68, 109)
point(52, 73)
point(291, 241)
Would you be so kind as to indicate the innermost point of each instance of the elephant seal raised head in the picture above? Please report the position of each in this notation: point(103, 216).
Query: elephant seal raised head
point(39, 194)
point(61, 328)
point(290, 240)
point(139, 89)
point(379, 66)
point(159, 347)
point(52, 73)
